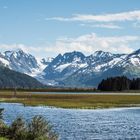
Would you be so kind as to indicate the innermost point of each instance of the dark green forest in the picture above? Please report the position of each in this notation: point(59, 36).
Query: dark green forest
point(12, 79)
point(119, 83)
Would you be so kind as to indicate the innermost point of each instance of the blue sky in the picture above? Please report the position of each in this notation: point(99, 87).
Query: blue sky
point(48, 27)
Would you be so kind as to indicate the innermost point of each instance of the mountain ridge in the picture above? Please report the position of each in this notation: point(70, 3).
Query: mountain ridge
point(74, 68)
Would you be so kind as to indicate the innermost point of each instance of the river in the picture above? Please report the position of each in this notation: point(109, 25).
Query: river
point(89, 93)
point(83, 124)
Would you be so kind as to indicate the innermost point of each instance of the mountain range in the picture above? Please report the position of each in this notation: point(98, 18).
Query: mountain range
point(73, 69)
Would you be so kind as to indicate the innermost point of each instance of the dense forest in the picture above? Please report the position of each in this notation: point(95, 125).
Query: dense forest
point(12, 79)
point(119, 83)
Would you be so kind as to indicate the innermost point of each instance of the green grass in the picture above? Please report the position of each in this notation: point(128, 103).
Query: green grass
point(3, 138)
point(72, 100)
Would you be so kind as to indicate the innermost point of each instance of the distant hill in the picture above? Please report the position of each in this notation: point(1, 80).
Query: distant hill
point(12, 79)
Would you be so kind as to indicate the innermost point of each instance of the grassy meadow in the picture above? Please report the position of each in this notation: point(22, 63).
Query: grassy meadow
point(3, 138)
point(89, 101)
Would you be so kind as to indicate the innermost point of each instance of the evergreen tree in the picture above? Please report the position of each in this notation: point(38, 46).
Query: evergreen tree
point(119, 84)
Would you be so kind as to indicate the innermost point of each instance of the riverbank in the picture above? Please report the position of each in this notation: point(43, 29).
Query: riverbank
point(88, 101)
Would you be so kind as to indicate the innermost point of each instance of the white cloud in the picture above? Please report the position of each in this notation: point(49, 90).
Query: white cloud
point(92, 42)
point(25, 48)
point(107, 25)
point(123, 16)
point(13, 47)
point(87, 44)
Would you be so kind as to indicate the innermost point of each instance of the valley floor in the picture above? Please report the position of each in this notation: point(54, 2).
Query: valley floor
point(89, 101)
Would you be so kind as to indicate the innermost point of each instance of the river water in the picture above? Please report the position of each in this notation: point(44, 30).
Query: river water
point(83, 124)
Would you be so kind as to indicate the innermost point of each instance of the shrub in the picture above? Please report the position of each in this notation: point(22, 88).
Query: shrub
point(40, 129)
point(37, 129)
point(17, 130)
point(1, 112)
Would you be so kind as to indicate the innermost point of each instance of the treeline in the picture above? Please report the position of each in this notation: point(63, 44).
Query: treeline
point(119, 83)
point(50, 89)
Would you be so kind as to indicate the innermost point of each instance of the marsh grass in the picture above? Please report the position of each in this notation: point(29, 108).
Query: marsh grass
point(89, 101)
point(3, 138)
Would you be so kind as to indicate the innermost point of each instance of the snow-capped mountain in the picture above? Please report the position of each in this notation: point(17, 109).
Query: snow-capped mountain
point(63, 66)
point(22, 62)
point(76, 69)
point(3, 61)
point(132, 59)
point(73, 69)
point(47, 60)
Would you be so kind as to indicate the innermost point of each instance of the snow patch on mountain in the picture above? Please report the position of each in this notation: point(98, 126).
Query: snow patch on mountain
point(4, 62)
point(22, 62)
point(72, 66)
